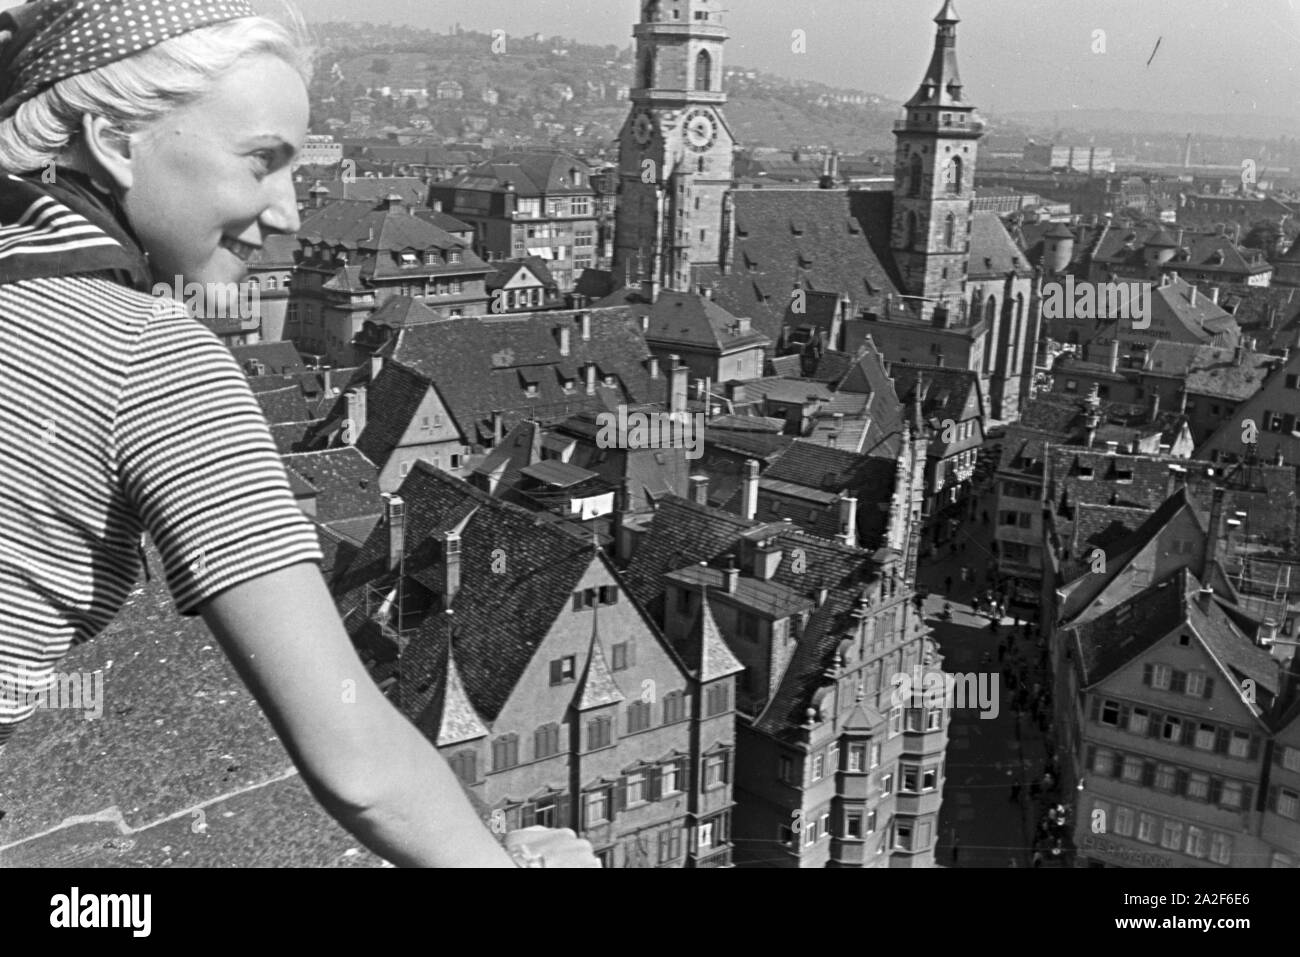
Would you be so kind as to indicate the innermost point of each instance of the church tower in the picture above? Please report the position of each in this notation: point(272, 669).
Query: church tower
point(934, 179)
point(675, 150)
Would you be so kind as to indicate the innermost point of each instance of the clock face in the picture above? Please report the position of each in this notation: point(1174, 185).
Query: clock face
point(701, 130)
point(643, 128)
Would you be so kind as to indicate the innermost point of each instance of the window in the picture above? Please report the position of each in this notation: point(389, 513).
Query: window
point(1196, 684)
point(824, 825)
point(596, 809)
point(639, 714)
point(674, 707)
point(818, 766)
point(1205, 737)
point(1172, 730)
point(853, 824)
point(933, 719)
point(599, 732)
point(563, 670)
point(930, 779)
point(1220, 849)
point(670, 844)
point(717, 699)
point(1291, 759)
point(706, 835)
point(903, 835)
point(1198, 786)
point(1239, 745)
point(895, 720)
point(717, 770)
point(886, 784)
point(857, 757)
point(1231, 794)
point(1166, 775)
point(911, 778)
point(1288, 803)
point(1160, 675)
point(505, 752)
point(635, 787)
point(1139, 721)
point(1196, 843)
point(871, 822)
point(671, 778)
point(1110, 713)
point(1171, 836)
point(621, 656)
point(875, 755)
point(546, 741)
point(1124, 821)
point(914, 719)
point(1103, 761)
point(787, 771)
point(465, 764)
point(833, 758)
point(1132, 770)
point(1146, 828)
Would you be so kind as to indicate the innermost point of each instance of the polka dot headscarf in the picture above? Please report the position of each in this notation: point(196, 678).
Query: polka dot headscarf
point(51, 40)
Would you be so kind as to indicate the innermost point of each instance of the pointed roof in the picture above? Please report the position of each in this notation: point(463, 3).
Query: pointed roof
point(705, 650)
point(458, 721)
point(597, 687)
point(1162, 239)
point(942, 84)
point(948, 14)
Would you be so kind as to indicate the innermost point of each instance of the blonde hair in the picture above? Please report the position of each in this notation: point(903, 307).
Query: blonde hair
point(140, 89)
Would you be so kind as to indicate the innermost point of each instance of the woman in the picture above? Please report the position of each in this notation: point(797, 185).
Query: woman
point(151, 141)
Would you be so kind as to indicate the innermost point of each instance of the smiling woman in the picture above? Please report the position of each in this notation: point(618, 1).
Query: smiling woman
point(144, 142)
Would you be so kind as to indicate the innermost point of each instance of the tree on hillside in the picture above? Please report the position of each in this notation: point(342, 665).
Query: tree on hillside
point(1264, 235)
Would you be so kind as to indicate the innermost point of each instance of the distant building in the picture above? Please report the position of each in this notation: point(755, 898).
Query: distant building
point(1082, 159)
point(319, 150)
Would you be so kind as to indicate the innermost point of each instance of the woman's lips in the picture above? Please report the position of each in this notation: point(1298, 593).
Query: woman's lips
point(242, 251)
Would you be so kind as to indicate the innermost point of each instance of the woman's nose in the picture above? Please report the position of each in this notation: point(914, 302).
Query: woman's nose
point(282, 215)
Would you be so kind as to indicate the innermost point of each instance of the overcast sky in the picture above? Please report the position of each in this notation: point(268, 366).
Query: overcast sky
point(1215, 56)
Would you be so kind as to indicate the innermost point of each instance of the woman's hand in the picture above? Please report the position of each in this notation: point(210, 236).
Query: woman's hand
point(550, 847)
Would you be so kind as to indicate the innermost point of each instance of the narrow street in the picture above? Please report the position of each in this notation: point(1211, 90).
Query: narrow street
point(986, 756)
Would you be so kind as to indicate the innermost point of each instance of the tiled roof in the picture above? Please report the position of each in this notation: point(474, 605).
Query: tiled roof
point(1172, 306)
point(277, 358)
point(475, 363)
point(500, 619)
point(367, 189)
point(687, 319)
point(532, 173)
point(347, 483)
point(827, 470)
point(293, 436)
point(826, 240)
point(768, 598)
point(284, 405)
point(1210, 370)
point(992, 250)
point(948, 391)
point(683, 534)
point(392, 400)
point(705, 650)
point(1107, 643)
point(508, 269)
point(597, 687)
point(1104, 526)
point(401, 311)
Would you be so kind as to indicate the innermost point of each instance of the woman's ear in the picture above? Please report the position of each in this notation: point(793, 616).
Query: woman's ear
point(109, 151)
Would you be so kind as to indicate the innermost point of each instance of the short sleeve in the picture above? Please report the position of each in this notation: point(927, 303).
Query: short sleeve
point(195, 457)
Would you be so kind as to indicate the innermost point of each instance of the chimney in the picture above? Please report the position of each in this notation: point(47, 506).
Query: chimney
point(591, 378)
point(1211, 534)
point(679, 377)
point(395, 517)
point(849, 520)
point(700, 489)
point(731, 575)
point(328, 381)
point(1192, 298)
point(376, 366)
point(1278, 459)
point(1205, 598)
point(728, 251)
point(498, 427)
point(355, 403)
point(584, 318)
point(1214, 295)
point(450, 567)
point(1114, 355)
point(1112, 447)
point(1153, 407)
point(565, 333)
point(767, 559)
point(749, 490)
point(653, 366)
point(437, 206)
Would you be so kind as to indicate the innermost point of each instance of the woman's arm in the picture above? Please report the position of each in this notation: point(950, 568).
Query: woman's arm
point(368, 766)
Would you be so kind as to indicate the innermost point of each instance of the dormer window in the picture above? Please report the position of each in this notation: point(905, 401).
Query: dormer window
point(409, 260)
point(453, 257)
point(431, 259)
point(530, 390)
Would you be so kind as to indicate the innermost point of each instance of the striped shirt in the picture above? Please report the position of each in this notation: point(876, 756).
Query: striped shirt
point(120, 415)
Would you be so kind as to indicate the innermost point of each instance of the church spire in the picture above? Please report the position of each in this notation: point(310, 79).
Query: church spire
point(942, 85)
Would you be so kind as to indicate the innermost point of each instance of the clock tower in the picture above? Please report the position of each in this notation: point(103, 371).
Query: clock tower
point(675, 150)
point(934, 179)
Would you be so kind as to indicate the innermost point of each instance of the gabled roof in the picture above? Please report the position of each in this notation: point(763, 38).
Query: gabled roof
point(531, 172)
point(392, 400)
point(690, 320)
point(821, 239)
point(508, 269)
point(458, 720)
point(277, 358)
point(597, 687)
point(992, 250)
point(947, 391)
point(346, 482)
point(1210, 370)
point(704, 649)
point(284, 404)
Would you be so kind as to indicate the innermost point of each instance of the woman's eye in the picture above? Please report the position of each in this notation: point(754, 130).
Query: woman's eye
point(266, 157)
